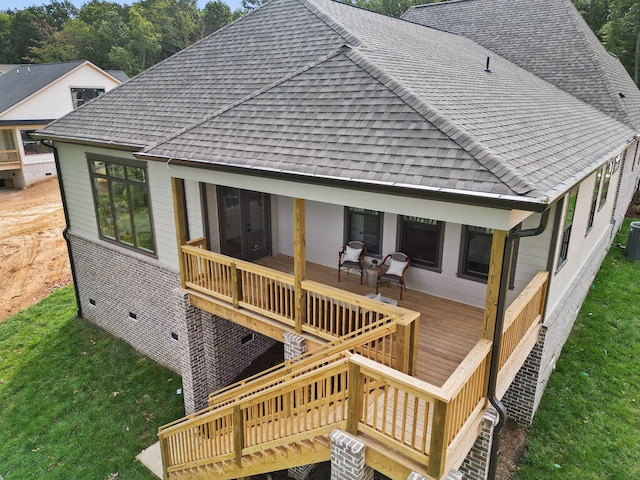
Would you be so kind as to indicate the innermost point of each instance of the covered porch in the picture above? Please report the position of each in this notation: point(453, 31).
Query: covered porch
point(448, 330)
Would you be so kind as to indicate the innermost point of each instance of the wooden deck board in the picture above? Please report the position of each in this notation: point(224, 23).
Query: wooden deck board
point(448, 330)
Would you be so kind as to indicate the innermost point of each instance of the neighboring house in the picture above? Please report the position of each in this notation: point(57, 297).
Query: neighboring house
point(31, 96)
point(208, 197)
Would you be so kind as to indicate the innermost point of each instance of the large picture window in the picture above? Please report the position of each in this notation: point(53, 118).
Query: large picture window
point(80, 96)
point(366, 226)
point(421, 239)
point(475, 254)
point(570, 210)
point(121, 197)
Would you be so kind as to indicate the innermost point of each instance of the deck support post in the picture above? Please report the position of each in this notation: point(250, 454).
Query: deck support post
point(299, 261)
point(493, 283)
point(355, 399)
point(438, 446)
point(179, 213)
point(238, 434)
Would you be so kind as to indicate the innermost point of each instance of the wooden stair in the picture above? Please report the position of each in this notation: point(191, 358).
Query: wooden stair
point(263, 461)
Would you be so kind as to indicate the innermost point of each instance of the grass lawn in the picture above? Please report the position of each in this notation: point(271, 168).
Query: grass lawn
point(75, 402)
point(588, 423)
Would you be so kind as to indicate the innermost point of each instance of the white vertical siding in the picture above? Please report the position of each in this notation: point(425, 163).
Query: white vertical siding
point(54, 100)
point(194, 210)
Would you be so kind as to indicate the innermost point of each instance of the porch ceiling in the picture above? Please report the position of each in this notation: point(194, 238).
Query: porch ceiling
point(448, 330)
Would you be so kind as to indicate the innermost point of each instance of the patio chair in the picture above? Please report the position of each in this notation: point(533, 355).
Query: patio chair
point(392, 270)
point(352, 257)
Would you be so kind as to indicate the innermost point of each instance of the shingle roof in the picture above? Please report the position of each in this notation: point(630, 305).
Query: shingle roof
point(25, 80)
point(316, 87)
point(547, 37)
point(118, 75)
point(237, 60)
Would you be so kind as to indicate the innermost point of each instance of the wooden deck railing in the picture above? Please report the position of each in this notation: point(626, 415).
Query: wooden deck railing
point(355, 382)
point(9, 156)
point(347, 391)
point(522, 323)
point(330, 313)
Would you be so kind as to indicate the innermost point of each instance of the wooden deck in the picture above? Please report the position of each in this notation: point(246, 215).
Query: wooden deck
point(448, 330)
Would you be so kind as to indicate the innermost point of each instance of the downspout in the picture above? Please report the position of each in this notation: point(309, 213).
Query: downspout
point(497, 336)
point(65, 232)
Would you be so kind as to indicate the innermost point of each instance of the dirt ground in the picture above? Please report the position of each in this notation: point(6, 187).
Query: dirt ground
point(33, 254)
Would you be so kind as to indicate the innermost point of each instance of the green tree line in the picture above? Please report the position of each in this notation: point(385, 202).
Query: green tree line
point(130, 38)
point(135, 37)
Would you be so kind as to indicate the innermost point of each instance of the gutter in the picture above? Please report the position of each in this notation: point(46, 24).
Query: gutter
point(500, 201)
point(65, 232)
point(497, 336)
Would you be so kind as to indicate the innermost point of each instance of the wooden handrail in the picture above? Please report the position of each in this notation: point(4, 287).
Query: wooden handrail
point(525, 311)
point(420, 420)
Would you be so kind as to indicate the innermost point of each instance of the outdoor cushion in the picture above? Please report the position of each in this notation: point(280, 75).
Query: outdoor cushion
point(352, 254)
point(396, 268)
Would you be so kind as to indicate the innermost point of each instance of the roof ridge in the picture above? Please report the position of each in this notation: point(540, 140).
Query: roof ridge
point(582, 34)
point(348, 36)
point(424, 5)
point(455, 132)
point(250, 96)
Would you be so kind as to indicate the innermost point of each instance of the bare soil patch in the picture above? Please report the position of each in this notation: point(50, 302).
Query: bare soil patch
point(33, 254)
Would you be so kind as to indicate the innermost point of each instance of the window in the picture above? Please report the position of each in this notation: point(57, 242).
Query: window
point(570, 211)
point(605, 184)
point(366, 226)
point(80, 96)
point(31, 145)
point(475, 254)
point(594, 199)
point(121, 198)
point(616, 162)
point(421, 239)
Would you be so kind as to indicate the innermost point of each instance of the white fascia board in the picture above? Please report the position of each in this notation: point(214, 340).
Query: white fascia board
point(478, 215)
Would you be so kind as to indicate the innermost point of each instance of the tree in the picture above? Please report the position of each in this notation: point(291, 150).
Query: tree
point(6, 47)
point(214, 16)
point(595, 13)
point(621, 33)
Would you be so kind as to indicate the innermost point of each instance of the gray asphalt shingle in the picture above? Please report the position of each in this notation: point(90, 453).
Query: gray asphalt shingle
point(547, 37)
point(316, 87)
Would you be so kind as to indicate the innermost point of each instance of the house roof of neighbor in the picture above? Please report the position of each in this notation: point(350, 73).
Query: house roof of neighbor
point(21, 81)
point(322, 90)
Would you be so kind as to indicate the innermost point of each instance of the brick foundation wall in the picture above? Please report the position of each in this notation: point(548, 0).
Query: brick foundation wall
point(476, 465)
point(519, 399)
point(347, 458)
point(120, 282)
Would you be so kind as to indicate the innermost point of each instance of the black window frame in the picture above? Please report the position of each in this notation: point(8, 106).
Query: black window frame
point(463, 261)
point(569, 215)
point(595, 197)
point(349, 213)
point(39, 147)
point(96, 176)
point(435, 226)
point(86, 94)
point(606, 184)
